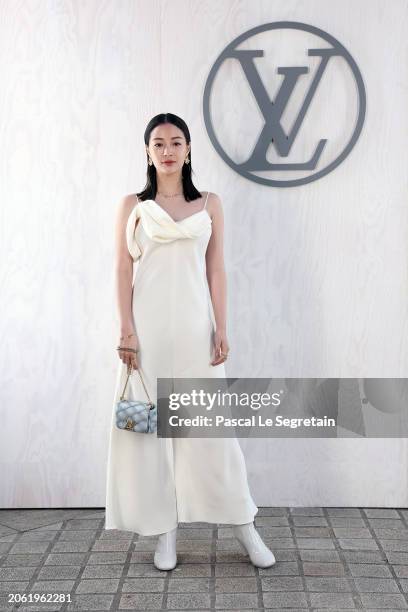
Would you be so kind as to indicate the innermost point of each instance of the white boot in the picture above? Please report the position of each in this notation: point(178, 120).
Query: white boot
point(165, 557)
point(252, 543)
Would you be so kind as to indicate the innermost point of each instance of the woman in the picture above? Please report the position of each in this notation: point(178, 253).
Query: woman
point(173, 325)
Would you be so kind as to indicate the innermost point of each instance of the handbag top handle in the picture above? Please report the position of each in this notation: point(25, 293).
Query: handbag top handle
point(127, 379)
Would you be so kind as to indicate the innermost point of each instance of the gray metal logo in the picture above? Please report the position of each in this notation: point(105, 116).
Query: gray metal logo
point(314, 163)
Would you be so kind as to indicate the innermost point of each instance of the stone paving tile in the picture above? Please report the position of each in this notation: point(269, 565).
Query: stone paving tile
point(71, 547)
point(189, 601)
point(280, 601)
point(85, 524)
point(357, 544)
point(186, 558)
point(15, 586)
point(346, 521)
point(401, 571)
point(370, 569)
point(327, 559)
point(306, 511)
point(107, 585)
point(137, 601)
point(65, 559)
point(281, 568)
point(91, 602)
point(387, 523)
point(284, 554)
point(328, 584)
point(107, 557)
point(59, 572)
point(267, 511)
point(323, 569)
point(350, 532)
point(22, 520)
point(394, 545)
point(264, 532)
point(380, 512)
point(203, 570)
point(236, 601)
point(392, 534)
point(315, 543)
point(332, 600)
point(383, 601)
point(350, 512)
point(28, 547)
point(271, 521)
point(312, 532)
point(188, 585)
point(396, 557)
point(16, 573)
point(237, 569)
point(37, 535)
point(282, 583)
point(236, 585)
point(143, 585)
point(323, 556)
point(6, 532)
point(309, 521)
point(52, 586)
point(111, 545)
point(363, 556)
point(102, 571)
point(376, 585)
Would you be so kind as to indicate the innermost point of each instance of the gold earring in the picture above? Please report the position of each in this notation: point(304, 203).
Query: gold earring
point(150, 161)
point(187, 161)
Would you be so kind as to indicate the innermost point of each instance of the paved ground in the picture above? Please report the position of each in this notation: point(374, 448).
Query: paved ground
point(327, 558)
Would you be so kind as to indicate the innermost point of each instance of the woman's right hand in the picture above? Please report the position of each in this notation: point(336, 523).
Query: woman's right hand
point(129, 357)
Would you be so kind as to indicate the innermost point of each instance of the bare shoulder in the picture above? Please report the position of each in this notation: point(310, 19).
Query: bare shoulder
point(214, 204)
point(126, 205)
point(124, 209)
point(129, 201)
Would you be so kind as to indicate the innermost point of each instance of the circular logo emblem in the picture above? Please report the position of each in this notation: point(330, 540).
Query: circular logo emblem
point(295, 104)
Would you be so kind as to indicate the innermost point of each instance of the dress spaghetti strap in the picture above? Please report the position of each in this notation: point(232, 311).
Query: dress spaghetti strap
point(205, 204)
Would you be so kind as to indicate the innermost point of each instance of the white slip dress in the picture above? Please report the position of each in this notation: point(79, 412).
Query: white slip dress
point(154, 483)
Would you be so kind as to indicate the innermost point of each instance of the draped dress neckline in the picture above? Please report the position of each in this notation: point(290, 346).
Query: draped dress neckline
point(160, 226)
point(203, 210)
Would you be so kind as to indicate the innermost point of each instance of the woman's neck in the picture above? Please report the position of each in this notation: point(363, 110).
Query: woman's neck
point(169, 185)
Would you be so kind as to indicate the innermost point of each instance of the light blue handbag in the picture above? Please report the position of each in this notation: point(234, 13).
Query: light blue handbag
point(135, 415)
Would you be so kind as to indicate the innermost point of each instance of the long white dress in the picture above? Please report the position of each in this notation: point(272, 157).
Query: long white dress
point(153, 483)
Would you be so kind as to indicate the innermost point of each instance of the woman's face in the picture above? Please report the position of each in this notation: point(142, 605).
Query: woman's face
point(167, 143)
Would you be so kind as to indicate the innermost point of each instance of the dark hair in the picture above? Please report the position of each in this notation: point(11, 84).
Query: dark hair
point(150, 189)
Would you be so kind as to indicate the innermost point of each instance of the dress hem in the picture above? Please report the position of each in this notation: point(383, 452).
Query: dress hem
point(183, 520)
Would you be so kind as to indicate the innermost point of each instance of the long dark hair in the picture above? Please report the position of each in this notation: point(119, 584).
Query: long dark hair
point(150, 189)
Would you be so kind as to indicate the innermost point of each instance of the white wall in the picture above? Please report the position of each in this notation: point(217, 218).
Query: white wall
point(317, 274)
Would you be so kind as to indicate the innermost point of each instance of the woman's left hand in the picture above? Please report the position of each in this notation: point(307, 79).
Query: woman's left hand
point(221, 347)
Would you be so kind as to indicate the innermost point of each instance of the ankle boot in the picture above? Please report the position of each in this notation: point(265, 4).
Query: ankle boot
point(252, 543)
point(165, 557)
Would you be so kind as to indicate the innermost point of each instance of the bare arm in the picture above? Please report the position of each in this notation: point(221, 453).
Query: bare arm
point(216, 277)
point(123, 279)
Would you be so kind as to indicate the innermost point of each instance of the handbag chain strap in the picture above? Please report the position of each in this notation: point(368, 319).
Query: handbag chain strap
point(127, 379)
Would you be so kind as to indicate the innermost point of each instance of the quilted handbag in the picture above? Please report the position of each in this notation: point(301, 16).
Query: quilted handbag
point(136, 415)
